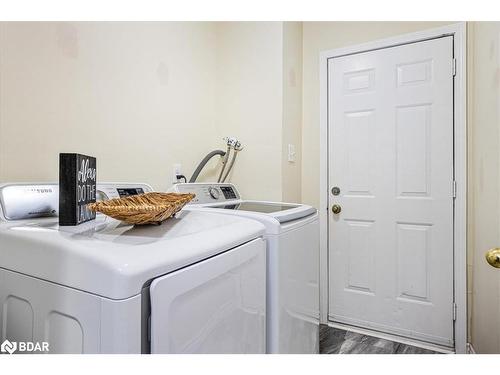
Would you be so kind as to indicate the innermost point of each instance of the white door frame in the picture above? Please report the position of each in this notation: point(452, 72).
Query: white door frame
point(458, 31)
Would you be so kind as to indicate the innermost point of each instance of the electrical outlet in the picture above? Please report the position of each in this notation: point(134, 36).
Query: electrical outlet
point(291, 153)
point(177, 170)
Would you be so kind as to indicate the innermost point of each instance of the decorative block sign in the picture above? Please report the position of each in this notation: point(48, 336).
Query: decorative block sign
point(77, 188)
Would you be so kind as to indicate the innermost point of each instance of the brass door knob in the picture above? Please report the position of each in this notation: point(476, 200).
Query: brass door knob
point(336, 209)
point(493, 257)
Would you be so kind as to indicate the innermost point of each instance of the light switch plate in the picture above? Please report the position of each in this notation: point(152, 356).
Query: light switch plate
point(291, 153)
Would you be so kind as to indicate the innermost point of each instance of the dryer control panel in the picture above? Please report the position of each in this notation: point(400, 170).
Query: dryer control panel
point(107, 191)
point(209, 192)
point(27, 201)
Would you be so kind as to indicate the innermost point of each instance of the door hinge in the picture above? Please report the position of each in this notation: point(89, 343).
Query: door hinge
point(454, 67)
point(454, 311)
point(454, 189)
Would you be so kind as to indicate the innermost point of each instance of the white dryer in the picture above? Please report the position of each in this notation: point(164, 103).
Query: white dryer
point(292, 236)
point(195, 284)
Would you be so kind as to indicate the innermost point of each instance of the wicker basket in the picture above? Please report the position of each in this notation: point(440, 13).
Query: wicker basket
point(148, 208)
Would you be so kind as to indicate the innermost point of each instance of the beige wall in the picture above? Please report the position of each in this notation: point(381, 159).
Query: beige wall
point(249, 102)
point(138, 96)
point(259, 100)
point(292, 111)
point(143, 96)
point(484, 183)
point(321, 36)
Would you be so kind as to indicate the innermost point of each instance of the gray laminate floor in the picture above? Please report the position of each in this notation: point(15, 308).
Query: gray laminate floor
point(338, 341)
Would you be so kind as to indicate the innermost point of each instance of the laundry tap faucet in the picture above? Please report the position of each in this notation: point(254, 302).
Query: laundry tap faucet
point(233, 143)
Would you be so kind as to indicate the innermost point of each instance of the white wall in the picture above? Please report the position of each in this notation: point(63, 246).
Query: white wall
point(138, 96)
point(317, 37)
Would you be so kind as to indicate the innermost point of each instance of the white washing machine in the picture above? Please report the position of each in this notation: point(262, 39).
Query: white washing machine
point(195, 284)
point(292, 234)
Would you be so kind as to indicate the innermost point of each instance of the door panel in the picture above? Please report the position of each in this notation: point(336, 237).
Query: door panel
point(391, 155)
point(215, 306)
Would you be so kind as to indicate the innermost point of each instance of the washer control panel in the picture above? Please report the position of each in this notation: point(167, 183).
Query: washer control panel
point(214, 192)
point(208, 192)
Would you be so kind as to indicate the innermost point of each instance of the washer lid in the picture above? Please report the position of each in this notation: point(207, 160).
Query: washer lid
point(115, 260)
point(283, 212)
point(265, 208)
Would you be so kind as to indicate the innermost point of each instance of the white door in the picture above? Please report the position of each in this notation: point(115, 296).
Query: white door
point(215, 306)
point(391, 156)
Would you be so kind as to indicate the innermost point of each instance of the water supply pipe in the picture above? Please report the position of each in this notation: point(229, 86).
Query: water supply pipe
point(204, 162)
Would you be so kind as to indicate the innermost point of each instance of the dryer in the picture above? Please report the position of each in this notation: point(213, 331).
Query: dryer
point(195, 284)
point(292, 236)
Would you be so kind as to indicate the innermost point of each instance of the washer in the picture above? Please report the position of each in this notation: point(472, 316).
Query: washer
point(292, 235)
point(195, 284)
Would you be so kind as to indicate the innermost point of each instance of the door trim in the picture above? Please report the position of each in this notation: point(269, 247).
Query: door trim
point(458, 32)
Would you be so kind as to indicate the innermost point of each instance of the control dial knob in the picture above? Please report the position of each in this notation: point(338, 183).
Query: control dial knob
point(214, 193)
